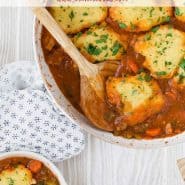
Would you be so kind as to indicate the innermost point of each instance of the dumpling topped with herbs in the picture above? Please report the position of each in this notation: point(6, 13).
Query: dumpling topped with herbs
point(136, 19)
point(101, 43)
point(16, 176)
point(75, 19)
point(163, 48)
point(135, 97)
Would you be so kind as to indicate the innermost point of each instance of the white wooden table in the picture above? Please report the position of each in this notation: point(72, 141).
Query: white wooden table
point(100, 163)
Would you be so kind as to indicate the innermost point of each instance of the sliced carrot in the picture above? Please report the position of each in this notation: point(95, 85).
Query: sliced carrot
point(133, 66)
point(35, 166)
point(153, 132)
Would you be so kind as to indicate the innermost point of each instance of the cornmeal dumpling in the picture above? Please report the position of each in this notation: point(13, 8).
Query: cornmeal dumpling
point(75, 19)
point(180, 13)
point(16, 176)
point(100, 43)
point(163, 48)
point(136, 19)
point(136, 97)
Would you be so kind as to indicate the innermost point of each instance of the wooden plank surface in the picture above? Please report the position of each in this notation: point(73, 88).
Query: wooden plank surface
point(100, 163)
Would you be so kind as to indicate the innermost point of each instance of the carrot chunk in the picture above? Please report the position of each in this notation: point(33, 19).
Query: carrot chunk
point(133, 66)
point(153, 132)
point(35, 166)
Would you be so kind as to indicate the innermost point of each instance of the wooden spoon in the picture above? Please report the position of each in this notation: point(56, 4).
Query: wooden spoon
point(91, 75)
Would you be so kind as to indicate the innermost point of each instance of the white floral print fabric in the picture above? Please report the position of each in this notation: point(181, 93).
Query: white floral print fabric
point(29, 121)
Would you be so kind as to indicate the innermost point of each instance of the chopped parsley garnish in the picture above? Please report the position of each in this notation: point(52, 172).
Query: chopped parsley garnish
point(122, 25)
point(104, 47)
point(177, 12)
point(167, 63)
point(93, 50)
point(106, 55)
point(155, 62)
point(95, 34)
point(164, 49)
point(147, 37)
point(11, 181)
point(140, 78)
point(154, 30)
point(132, 26)
point(182, 64)
point(169, 35)
point(103, 38)
point(99, 41)
point(78, 34)
point(181, 78)
point(85, 14)
point(151, 11)
point(89, 32)
point(115, 48)
point(147, 78)
point(167, 19)
point(71, 15)
point(144, 77)
point(161, 73)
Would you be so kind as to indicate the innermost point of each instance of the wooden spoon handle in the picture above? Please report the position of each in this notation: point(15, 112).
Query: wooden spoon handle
point(181, 165)
point(48, 21)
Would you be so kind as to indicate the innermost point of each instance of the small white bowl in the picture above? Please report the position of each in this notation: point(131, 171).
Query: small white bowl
point(31, 155)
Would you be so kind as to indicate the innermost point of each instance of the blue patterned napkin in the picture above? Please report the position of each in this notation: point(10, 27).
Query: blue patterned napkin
point(29, 121)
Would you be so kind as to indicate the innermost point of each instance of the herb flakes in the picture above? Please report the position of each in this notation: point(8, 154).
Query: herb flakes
point(116, 47)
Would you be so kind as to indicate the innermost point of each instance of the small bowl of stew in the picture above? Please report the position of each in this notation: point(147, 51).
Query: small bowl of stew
point(27, 168)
